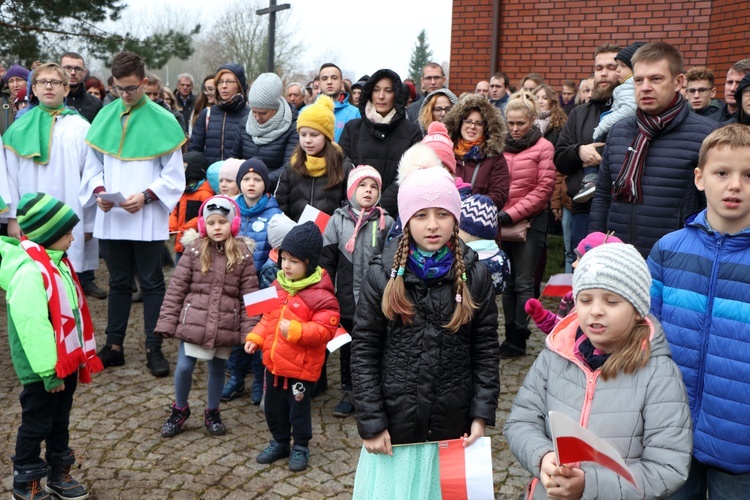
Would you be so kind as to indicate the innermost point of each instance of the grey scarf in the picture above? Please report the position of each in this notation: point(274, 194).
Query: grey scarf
point(273, 128)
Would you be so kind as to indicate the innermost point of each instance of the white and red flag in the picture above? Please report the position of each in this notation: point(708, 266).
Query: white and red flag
point(573, 444)
point(558, 285)
point(257, 303)
point(319, 218)
point(341, 337)
point(466, 473)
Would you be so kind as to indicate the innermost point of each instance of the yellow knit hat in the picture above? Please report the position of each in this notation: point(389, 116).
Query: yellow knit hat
point(319, 116)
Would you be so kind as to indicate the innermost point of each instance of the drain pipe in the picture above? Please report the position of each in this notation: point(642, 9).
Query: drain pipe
point(495, 51)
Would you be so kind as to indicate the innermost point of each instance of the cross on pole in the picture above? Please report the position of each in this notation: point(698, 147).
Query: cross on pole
point(271, 10)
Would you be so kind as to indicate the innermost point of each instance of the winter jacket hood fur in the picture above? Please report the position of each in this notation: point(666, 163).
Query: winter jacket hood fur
point(494, 131)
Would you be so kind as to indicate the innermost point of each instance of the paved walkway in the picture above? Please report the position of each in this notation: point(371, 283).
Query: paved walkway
point(116, 420)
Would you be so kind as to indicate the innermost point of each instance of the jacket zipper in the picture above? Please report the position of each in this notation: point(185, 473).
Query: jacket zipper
point(184, 318)
point(223, 124)
point(709, 317)
point(276, 331)
point(312, 191)
point(590, 388)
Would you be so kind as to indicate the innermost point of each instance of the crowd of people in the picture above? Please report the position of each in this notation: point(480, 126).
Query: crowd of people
point(436, 205)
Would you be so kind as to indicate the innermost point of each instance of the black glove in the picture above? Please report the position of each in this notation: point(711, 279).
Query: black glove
point(505, 219)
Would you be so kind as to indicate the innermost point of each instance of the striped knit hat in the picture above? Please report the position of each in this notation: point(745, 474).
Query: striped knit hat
point(479, 217)
point(44, 219)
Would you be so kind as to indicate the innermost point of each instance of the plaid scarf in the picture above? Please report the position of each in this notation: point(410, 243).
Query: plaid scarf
point(627, 187)
point(70, 354)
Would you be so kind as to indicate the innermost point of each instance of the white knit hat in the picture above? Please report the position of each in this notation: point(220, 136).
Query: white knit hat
point(265, 92)
point(618, 268)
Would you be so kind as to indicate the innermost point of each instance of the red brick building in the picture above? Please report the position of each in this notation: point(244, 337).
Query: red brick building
point(557, 38)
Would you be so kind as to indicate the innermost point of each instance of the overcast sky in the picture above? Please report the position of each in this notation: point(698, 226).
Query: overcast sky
point(361, 37)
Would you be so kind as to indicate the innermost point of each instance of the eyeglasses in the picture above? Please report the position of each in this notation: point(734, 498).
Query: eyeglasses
point(701, 90)
point(73, 69)
point(220, 208)
point(225, 82)
point(42, 84)
point(209, 90)
point(132, 89)
point(469, 124)
point(440, 110)
point(432, 78)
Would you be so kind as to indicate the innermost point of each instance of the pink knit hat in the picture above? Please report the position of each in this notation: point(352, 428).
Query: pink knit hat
point(356, 175)
point(594, 240)
point(230, 168)
point(438, 139)
point(428, 188)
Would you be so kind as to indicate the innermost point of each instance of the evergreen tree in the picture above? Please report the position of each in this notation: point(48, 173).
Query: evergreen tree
point(420, 55)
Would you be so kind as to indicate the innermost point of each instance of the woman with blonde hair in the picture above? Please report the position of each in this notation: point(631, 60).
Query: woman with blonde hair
point(435, 107)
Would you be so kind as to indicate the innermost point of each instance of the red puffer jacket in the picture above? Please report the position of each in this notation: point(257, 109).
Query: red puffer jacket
point(314, 316)
point(532, 174)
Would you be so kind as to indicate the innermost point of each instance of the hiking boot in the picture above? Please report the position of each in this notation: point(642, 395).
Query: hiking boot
point(345, 407)
point(299, 458)
point(234, 388)
point(274, 451)
point(156, 362)
point(508, 350)
point(27, 486)
point(588, 186)
point(174, 423)
point(111, 357)
point(90, 289)
point(59, 482)
point(213, 423)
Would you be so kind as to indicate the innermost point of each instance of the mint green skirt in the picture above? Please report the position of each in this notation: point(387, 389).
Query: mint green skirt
point(412, 473)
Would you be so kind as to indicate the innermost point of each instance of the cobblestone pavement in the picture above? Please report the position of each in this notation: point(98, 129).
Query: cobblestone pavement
point(115, 425)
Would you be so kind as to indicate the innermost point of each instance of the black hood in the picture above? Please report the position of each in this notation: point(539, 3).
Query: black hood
point(398, 88)
point(239, 72)
point(742, 117)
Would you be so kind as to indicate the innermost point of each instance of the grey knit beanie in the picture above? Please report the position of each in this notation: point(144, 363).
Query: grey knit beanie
point(265, 91)
point(618, 268)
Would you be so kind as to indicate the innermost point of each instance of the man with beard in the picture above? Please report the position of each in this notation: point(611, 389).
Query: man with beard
point(575, 147)
point(645, 186)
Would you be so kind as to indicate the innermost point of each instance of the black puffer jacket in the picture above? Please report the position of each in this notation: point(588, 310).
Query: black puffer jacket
point(216, 139)
point(295, 191)
point(669, 192)
point(87, 105)
point(381, 145)
point(275, 154)
point(418, 381)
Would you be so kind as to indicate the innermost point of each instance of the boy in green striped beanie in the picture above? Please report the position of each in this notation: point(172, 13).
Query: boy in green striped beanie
point(52, 348)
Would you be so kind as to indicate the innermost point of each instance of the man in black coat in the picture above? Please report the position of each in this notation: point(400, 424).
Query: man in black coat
point(80, 100)
point(184, 94)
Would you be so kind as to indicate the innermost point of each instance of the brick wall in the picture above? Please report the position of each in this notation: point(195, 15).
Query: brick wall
point(557, 38)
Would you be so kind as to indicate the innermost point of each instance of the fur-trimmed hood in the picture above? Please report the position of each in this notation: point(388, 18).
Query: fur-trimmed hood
point(417, 157)
point(495, 131)
point(191, 235)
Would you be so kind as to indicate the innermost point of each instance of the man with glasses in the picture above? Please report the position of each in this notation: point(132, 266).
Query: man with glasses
point(47, 152)
point(700, 92)
point(184, 94)
point(139, 144)
point(433, 78)
point(154, 92)
point(332, 85)
point(80, 100)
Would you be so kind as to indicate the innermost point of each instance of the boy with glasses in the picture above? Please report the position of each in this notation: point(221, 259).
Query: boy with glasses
point(138, 143)
point(700, 92)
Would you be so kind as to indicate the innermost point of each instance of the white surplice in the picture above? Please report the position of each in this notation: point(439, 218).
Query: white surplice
point(69, 157)
point(164, 175)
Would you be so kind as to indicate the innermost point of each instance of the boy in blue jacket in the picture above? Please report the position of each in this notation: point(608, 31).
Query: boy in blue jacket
point(701, 282)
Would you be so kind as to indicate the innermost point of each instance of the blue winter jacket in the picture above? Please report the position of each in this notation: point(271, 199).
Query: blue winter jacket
point(254, 224)
point(669, 193)
point(700, 291)
point(218, 140)
point(343, 112)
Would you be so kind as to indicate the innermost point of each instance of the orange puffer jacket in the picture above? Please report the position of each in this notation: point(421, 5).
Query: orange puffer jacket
point(314, 316)
point(185, 214)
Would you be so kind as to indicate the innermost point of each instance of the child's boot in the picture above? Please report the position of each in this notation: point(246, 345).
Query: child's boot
point(274, 451)
point(588, 186)
point(173, 425)
point(213, 423)
point(345, 407)
point(300, 456)
point(60, 484)
point(27, 483)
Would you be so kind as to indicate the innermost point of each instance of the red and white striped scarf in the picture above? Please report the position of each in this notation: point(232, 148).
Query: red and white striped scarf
point(627, 186)
point(70, 354)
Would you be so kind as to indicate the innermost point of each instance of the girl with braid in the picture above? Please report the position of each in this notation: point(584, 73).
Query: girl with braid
point(425, 353)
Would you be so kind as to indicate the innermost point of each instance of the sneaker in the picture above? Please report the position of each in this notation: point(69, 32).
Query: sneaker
point(234, 388)
point(588, 186)
point(274, 451)
point(213, 423)
point(90, 289)
point(156, 362)
point(508, 351)
point(174, 423)
point(111, 357)
point(299, 458)
point(345, 407)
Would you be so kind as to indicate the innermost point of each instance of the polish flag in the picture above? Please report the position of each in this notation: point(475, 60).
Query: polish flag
point(257, 303)
point(319, 218)
point(558, 285)
point(466, 473)
point(342, 337)
point(573, 444)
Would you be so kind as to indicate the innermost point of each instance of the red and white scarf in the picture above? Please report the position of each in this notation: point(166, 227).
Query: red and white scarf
point(70, 354)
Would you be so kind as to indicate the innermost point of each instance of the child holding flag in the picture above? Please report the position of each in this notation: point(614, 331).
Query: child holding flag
point(203, 306)
point(293, 337)
point(608, 367)
point(425, 351)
